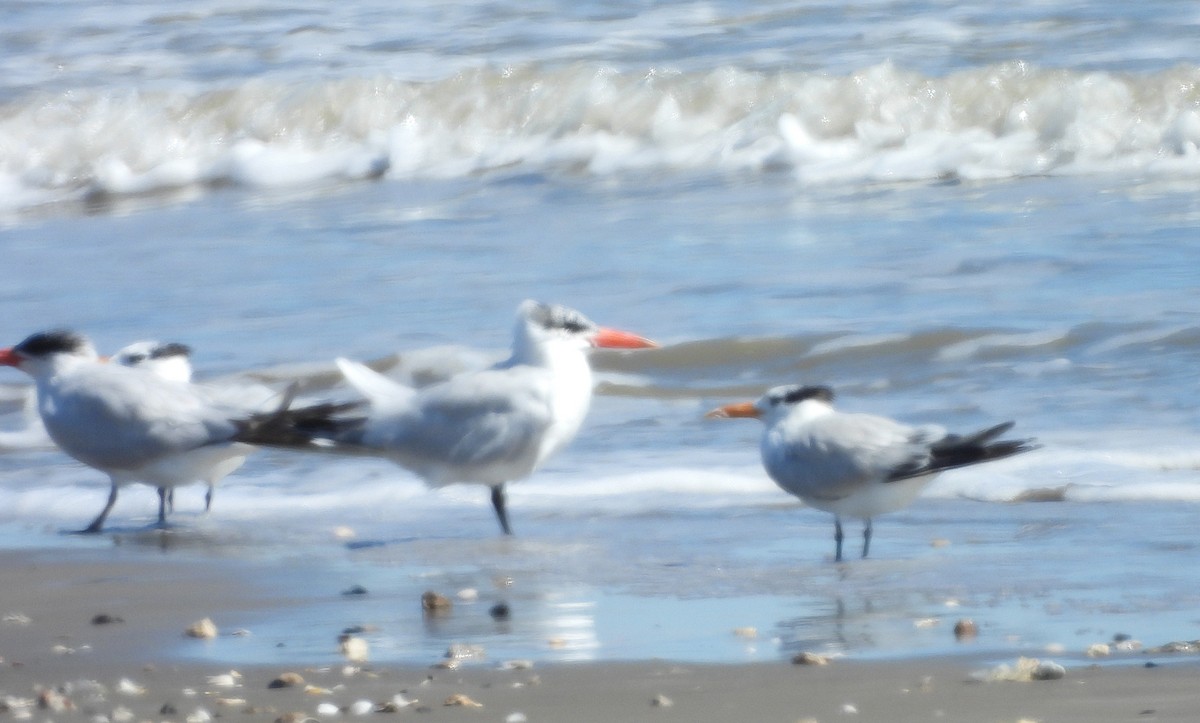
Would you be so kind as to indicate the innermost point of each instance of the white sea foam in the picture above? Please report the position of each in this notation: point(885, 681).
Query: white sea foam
point(881, 123)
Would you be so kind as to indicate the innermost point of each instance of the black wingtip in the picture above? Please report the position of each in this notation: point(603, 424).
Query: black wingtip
point(312, 427)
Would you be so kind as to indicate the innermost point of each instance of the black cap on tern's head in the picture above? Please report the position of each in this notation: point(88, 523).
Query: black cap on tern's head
point(796, 393)
point(46, 343)
point(538, 322)
point(39, 350)
point(555, 317)
point(774, 404)
point(142, 351)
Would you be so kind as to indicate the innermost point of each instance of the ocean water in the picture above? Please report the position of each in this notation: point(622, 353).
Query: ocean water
point(955, 213)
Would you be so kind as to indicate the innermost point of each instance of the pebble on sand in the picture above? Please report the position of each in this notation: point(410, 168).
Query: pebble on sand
point(747, 632)
point(459, 699)
point(54, 701)
point(1025, 669)
point(204, 629)
point(661, 701)
point(106, 619)
point(807, 658)
point(1099, 650)
point(287, 680)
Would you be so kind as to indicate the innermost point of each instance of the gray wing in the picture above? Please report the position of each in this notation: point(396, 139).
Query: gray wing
point(830, 457)
point(117, 418)
point(482, 427)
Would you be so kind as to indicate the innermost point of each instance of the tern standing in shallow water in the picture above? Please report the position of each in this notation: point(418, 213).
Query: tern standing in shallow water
point(492, 426)
point(138, 427)
point(857, 465)
point(172, 361)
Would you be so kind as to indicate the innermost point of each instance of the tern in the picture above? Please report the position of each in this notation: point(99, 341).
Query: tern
point(138, 427)
point(857, 465)
point(172, 361)
point(491, 426)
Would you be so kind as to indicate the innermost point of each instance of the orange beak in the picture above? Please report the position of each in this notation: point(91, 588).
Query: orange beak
point(607, 338)
point(9, 358)
point(731, 411)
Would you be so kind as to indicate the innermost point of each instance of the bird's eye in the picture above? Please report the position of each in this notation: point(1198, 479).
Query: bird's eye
point(136, 358)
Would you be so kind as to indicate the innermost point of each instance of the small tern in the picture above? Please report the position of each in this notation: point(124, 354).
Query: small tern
point(857, 465)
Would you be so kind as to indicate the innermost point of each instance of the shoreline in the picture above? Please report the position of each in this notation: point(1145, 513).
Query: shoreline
point(62, 661)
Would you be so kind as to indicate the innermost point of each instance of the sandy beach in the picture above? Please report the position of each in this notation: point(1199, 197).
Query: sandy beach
point(98, 634)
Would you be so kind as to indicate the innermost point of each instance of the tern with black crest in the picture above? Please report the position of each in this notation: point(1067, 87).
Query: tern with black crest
point(493, 426)
point(138, 427)
point(858, 465)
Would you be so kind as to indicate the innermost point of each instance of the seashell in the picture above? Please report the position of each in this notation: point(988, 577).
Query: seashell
point(965, 629)
point(925, 622)
point(356, 650)
point(517, 665)
point(230, 702)
point(661, 701)
point(1099, 650)
point(807, 658)
point(121, 714)
point(468, 594)
point(749, 633)
point(458, 699)
point(204, 629)
point(16, 619)
point(342, 532)
point(199, 716)
point(361, 707)
point(328, 709)
point(316, 690)
point(395, 705)
point(516, 717)
point(225, 680)
point(125, 686)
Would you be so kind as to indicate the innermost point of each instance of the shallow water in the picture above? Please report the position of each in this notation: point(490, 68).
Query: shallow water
point(948, 217)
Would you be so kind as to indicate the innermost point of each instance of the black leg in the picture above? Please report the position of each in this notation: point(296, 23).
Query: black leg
point(98, 523)
point(208, 499)
point(867, 538)
point(498, 503)
point(171, 501)
point(163, 495)
point(837, 537)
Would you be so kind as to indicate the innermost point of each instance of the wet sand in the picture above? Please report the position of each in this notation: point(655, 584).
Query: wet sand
point(97, 635)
